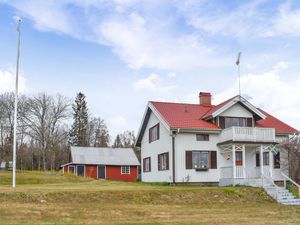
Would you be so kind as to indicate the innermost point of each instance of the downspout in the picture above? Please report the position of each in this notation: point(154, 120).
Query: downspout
point(174, 133)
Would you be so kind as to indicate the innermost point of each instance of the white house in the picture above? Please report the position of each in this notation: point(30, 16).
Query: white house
point(226, 144)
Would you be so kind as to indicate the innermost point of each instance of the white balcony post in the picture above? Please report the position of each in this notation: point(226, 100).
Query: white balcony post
point(233, 133)
point(271, 163)
point(261, 161)
point(233, 162)
point(244, 161)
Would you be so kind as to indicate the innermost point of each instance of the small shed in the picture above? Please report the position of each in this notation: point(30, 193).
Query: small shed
point(103, 163)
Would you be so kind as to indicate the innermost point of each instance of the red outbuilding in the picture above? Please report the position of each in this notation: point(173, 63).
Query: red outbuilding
point(103, 163)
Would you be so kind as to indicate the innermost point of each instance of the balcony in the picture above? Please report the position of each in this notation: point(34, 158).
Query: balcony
point(247, 134)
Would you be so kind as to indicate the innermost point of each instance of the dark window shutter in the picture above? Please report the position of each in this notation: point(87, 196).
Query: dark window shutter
point(149, 164)
point(167, 159)
point(257, 160)
point(249, 122)
point(213, 160)
point(144, 169)
point(189, 160)
point(158, 162)
point(222, 122)
point(277, 161)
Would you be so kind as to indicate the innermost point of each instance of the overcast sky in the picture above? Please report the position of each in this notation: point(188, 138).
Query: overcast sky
point(122, 54)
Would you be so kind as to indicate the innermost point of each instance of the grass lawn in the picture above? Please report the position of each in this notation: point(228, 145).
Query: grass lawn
point(49, 198)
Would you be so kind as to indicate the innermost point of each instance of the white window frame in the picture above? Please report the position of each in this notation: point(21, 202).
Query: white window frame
point(125, 170)
point(201, 164)
point(147, 164)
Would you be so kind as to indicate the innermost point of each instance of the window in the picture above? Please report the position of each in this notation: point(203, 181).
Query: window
point(266, 160)
point(277, 161)
point(125, 169)
point(225, 122)
point(201, 160)
point(235, 121)
point(202, 137)
point(163, 161)
point(147, 164)
point(80, 170)
point(257, 159)
point(154, 133)
point(71, 169)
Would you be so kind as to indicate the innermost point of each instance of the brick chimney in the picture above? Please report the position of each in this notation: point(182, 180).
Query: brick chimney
point(205, 98)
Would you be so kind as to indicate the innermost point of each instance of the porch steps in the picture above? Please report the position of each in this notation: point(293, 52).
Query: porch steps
point(281, 195)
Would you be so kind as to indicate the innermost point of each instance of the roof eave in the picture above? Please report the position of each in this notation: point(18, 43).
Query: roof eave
point(196, 130)
point(233, 102)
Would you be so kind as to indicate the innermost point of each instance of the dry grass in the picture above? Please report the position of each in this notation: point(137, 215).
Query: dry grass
point(53, 199)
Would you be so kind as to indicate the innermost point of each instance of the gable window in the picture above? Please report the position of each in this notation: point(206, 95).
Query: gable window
point(154, 133)
point(147, 164)
point(201, 160)
point(202, 137)
point(163, 161)
point(125, 169)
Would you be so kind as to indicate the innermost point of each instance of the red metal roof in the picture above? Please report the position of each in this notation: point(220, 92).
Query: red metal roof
point(272, 122)
point(189, 116)
point(179, 115)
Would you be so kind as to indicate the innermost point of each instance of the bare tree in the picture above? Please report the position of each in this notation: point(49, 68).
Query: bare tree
point(98, 133)
point(291, 158)
point(45, 117)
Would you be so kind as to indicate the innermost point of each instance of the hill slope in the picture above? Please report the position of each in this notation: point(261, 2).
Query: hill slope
point(49, 198)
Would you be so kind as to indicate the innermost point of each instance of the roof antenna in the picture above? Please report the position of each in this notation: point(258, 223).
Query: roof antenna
point(239, 74)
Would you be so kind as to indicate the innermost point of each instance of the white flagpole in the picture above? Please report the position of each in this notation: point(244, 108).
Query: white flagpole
point(239, 74)
point(16, 108)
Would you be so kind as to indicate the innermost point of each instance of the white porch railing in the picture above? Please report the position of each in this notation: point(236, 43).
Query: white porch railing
point(285, 178)
point(226, 172)
point(251, 134)
point(239, 172)
point(250, 173)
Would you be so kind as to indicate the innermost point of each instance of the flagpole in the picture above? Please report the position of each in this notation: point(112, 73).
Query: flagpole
point(239, 74)
point(16, 109)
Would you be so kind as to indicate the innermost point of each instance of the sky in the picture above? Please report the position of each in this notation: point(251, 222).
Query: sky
point(123, 53)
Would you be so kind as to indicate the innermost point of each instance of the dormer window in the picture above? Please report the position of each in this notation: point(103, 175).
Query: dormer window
point(235, 122)
point(225, 122)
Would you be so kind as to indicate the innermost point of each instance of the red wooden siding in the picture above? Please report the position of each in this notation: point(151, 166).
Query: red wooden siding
point(114, 173)
point(91, 171)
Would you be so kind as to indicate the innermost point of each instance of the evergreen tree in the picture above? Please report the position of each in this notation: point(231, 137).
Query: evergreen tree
point(117, 142)
point(79, 131)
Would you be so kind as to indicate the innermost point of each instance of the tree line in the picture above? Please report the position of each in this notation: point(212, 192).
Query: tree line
point(47, 126)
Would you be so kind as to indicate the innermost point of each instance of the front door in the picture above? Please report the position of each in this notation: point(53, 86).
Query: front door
point(101, 172)
point(239, 158)
point(80, 170)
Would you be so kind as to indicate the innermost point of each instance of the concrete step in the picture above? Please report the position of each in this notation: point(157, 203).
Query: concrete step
point(295, 200)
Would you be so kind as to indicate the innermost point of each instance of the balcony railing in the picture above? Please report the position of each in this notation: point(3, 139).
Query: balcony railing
point(250, 134)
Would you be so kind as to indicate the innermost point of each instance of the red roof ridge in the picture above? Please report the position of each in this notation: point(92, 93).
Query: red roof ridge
point(180, 103)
